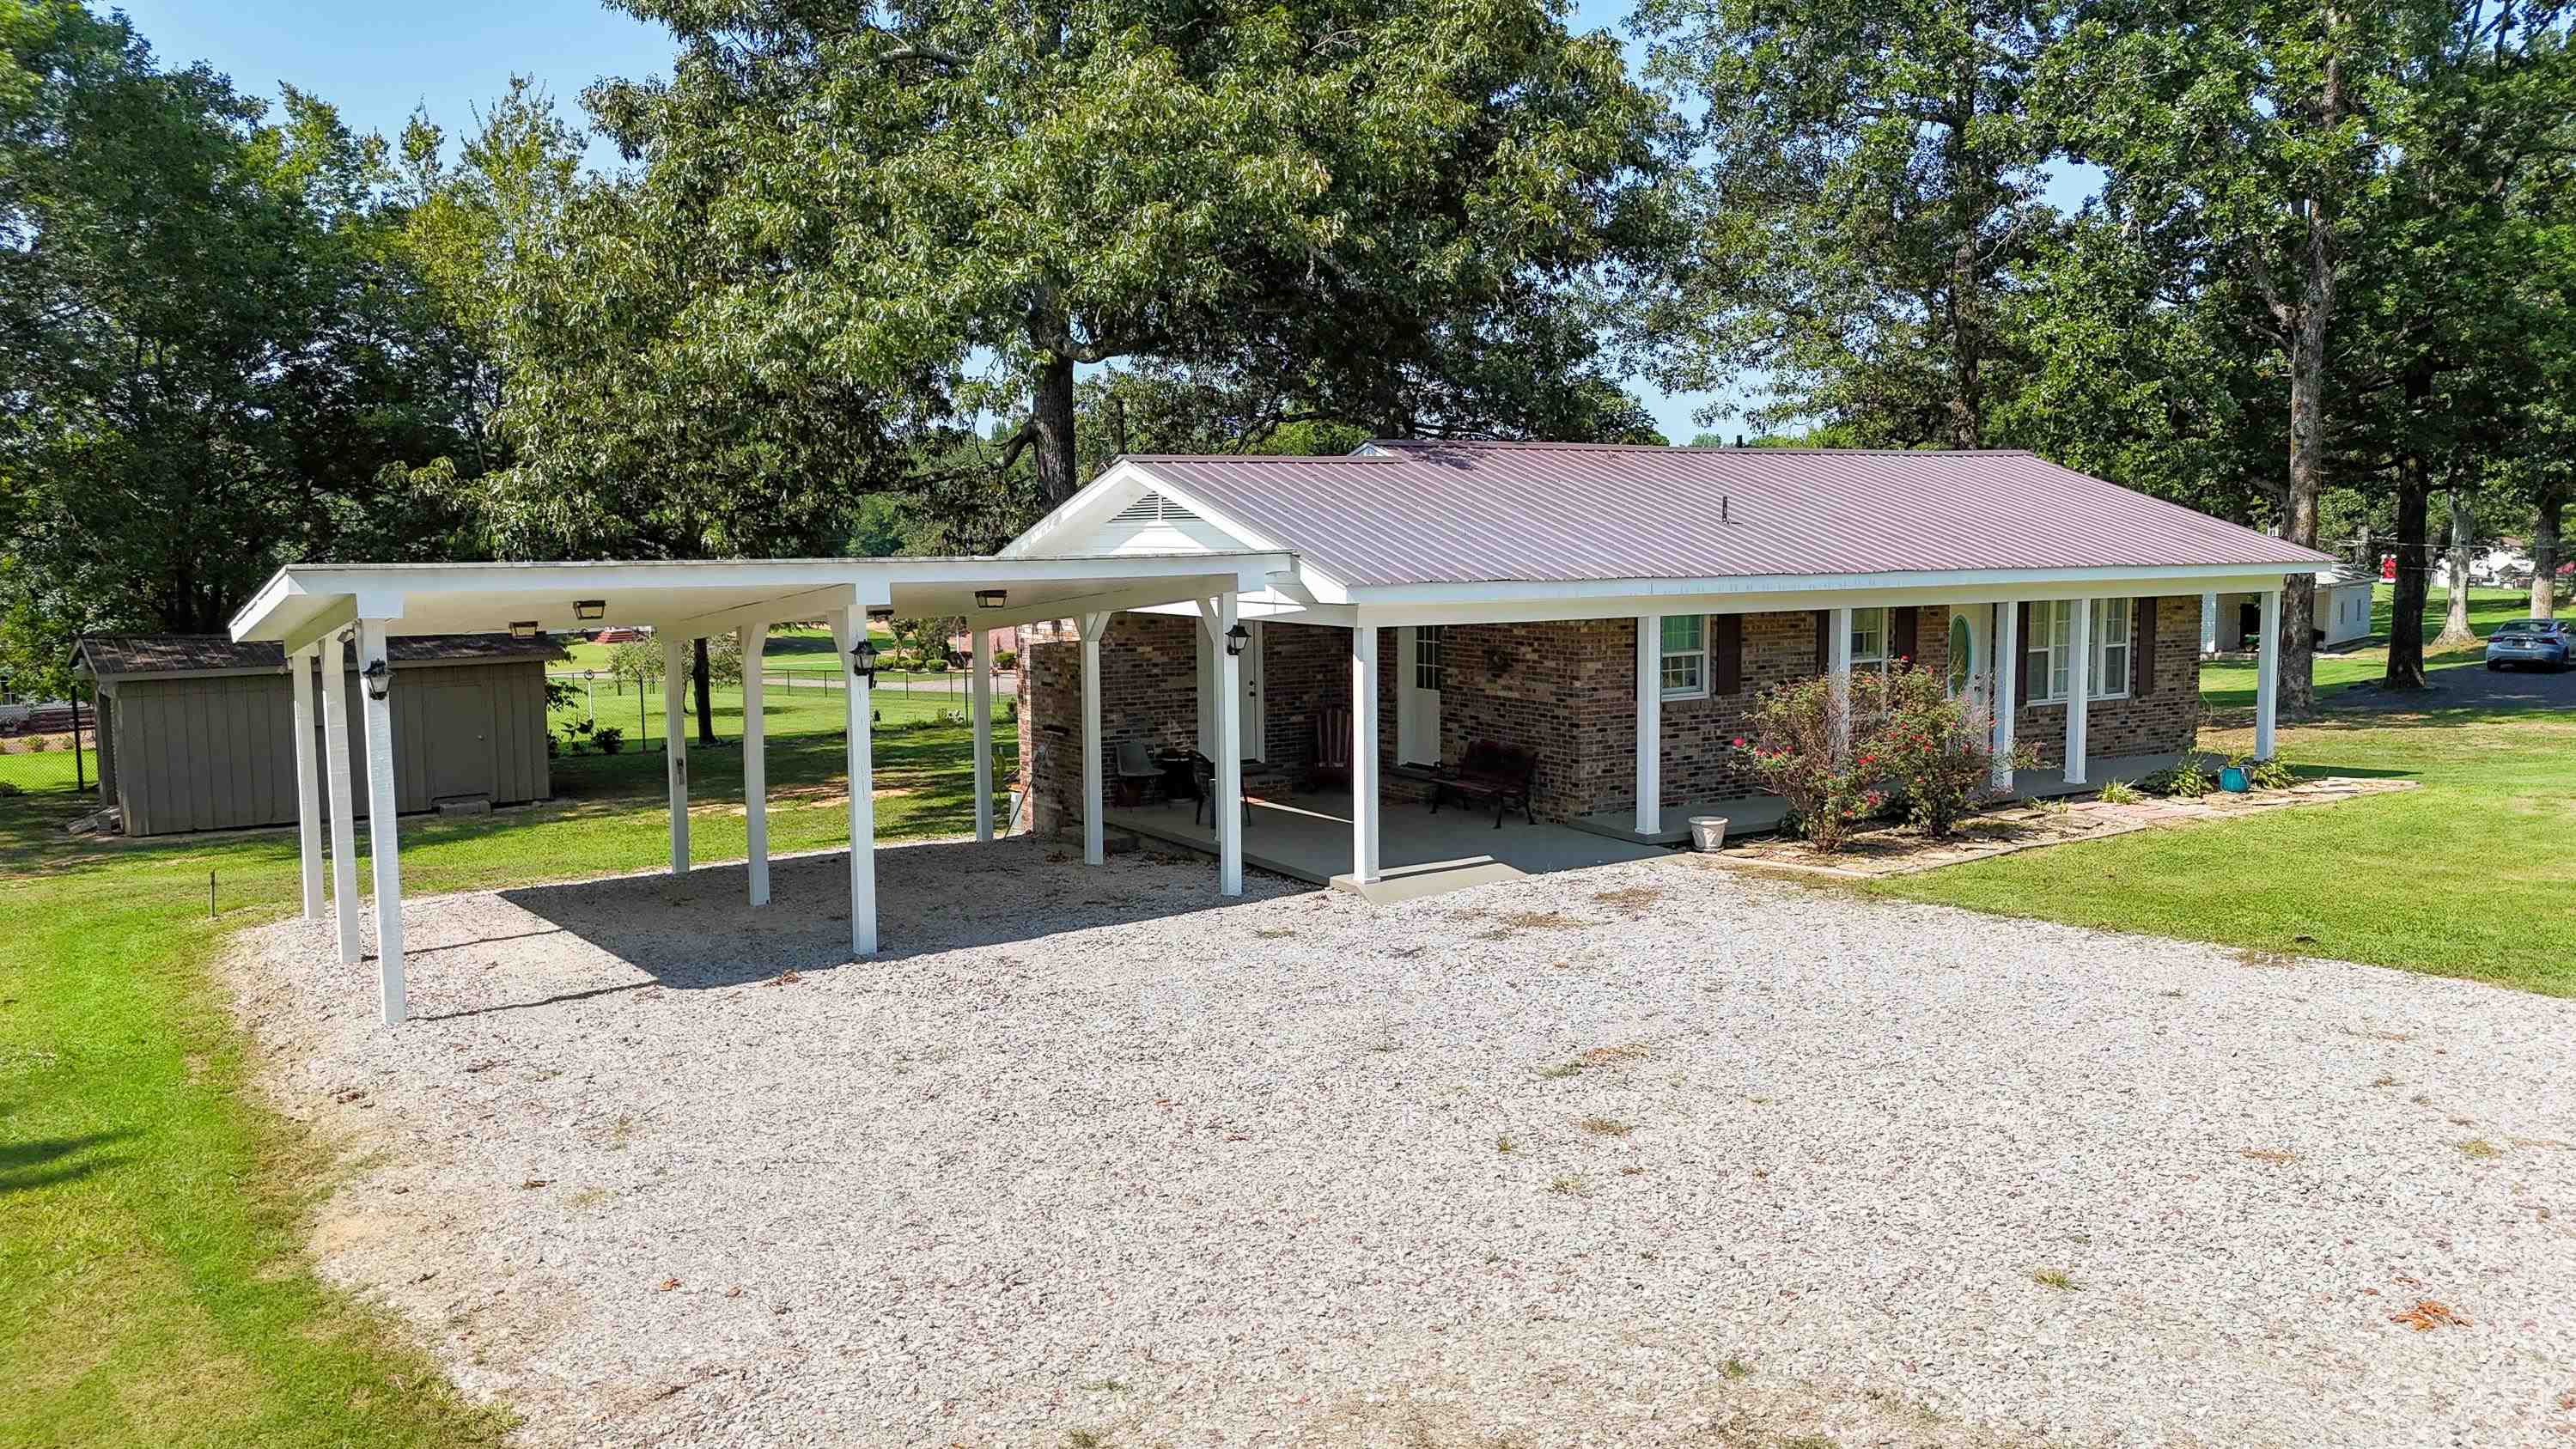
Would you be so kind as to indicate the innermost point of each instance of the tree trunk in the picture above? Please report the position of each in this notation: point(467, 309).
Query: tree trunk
point(1053, 416)
point(2544, 554)
point(2406, 598)
point(2455, 617)
point(2298, 690)
point(706, 708)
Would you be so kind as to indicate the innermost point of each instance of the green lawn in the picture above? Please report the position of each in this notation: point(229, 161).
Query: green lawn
point(151, 1265)
point(2229, 683)
point(2473, 874)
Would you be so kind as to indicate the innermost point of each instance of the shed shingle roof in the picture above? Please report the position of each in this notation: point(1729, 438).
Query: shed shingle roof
point(120, 655)
point(1474, 512)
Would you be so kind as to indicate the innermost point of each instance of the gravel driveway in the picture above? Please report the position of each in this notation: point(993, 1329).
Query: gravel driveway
point(1648, 1153)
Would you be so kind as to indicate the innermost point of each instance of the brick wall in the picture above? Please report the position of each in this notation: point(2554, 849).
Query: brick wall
point(2163, 722)
point(1565, 689)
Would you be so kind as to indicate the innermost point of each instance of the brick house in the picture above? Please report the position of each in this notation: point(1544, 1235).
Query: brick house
point(1520, 592)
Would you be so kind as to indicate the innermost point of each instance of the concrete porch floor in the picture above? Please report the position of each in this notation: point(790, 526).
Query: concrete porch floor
point(1420, 854)
point(1755, 814)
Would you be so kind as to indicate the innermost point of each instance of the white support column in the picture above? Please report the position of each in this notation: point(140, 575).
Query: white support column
point(675, 744)
point(1838, 642)
point(1364, 806)
point(384, 844)
point(1229, 754)
point(2267, 676)
point(1095, 838)
point(2079, 685)
point(344, 807)
point(754, 639)
point(2007, 668)
point(982, 710)
point(849, 626)
point(1650, 724)
point(2209, 621)
point(308, 780)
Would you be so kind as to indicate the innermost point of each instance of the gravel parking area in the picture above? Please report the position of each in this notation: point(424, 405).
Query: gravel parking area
point(1650, 1153)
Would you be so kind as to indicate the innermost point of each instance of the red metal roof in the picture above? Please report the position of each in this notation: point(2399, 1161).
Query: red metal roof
point(1444, 512)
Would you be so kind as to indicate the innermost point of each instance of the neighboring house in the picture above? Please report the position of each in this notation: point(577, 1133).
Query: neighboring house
point(1518, 592)
point(195, 732)
point(1006, 640)
point(2343, 604)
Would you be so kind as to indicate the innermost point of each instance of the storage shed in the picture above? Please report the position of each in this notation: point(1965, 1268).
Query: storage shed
point(195, 731)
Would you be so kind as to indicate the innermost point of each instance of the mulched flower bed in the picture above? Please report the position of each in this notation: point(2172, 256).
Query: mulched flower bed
point(1902, 850)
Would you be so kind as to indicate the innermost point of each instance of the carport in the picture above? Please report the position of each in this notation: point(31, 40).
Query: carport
point(307, 609)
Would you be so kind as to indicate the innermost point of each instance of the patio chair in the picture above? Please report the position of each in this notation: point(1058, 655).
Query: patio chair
point(1139, 778)
point(1203, 780)
point(1491, 771)
point(1332, 759)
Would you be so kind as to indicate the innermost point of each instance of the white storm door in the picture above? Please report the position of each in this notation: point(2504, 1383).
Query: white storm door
point(1419, 669)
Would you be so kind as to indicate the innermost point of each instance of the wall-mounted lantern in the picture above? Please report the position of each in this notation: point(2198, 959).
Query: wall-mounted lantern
point(380, 678)
point(590, 610)
point(863, 659)
point(1235, 639)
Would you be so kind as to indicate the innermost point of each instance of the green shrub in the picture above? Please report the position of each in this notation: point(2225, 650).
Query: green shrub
point(1929, 749)
point(38, 744)
point(11, 787)
point(2271, 774)
point(609, 738)
point(1791, 752)
point(2118, 792)
point(2185, 781)
point(1006, 660)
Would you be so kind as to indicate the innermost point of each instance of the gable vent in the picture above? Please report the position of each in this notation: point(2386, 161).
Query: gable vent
point(1153, 507)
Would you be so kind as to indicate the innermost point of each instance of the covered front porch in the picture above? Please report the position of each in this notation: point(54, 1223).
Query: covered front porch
point(1308, 837)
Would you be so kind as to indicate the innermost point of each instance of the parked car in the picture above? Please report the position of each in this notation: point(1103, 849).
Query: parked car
point(2545, 642)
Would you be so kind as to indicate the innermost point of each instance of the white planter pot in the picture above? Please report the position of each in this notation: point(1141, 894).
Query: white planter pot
point(1708, 832)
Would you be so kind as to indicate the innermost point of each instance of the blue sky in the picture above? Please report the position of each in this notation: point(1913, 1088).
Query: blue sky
point(380, 62)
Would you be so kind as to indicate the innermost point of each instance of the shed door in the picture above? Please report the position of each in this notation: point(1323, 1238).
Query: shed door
point(456, 740)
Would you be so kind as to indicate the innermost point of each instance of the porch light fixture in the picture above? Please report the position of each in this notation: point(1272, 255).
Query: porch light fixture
point(590, 609)
point(863, 659)
point(991, 598)
point(380, 679)
point(1235, 639)
point(524, 629)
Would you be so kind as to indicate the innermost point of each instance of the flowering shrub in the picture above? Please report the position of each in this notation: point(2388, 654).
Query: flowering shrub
point(1932, 749)
point(1791, 751)
point(1910, 744)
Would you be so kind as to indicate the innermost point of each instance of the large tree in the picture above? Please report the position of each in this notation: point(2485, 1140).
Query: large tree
point(1873, 177)
point(1390, 213)
point(2258, 131)
point(208, 337)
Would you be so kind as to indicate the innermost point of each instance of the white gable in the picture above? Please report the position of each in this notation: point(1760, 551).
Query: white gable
point(1126, 511)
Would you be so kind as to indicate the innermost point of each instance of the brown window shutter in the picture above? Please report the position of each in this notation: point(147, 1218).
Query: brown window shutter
point(2142, 650)
point(2021, 660)
point(1903, 632)
point(1824, 646)
point(1726, 653)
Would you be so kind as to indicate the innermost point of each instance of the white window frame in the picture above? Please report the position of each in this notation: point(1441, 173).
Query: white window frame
point(1695, 684)
point(1863, 658)
point(2052, 627)
point(1430, 657)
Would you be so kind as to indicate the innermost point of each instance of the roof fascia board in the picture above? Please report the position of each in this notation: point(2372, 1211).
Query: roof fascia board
point(2099, 580)
point(1822, 594)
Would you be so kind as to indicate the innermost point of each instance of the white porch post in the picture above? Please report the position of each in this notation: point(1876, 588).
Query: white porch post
point(2209, 621)
point(754, 640)
point(1364, 807)
point(675, 744)
point(2267, 676)
point(981, 640)
point(308, 780)
point(1650, 724)
point(384, 846)
point(1095, 847)
point(1229, 753)
point(344, 808)
point(2079, 684)
point(1838, 642)
point(849, 626)
point(2007, 667)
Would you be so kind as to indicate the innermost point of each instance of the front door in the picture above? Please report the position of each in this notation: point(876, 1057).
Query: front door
point(1420, 667)
point(1248, 675)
